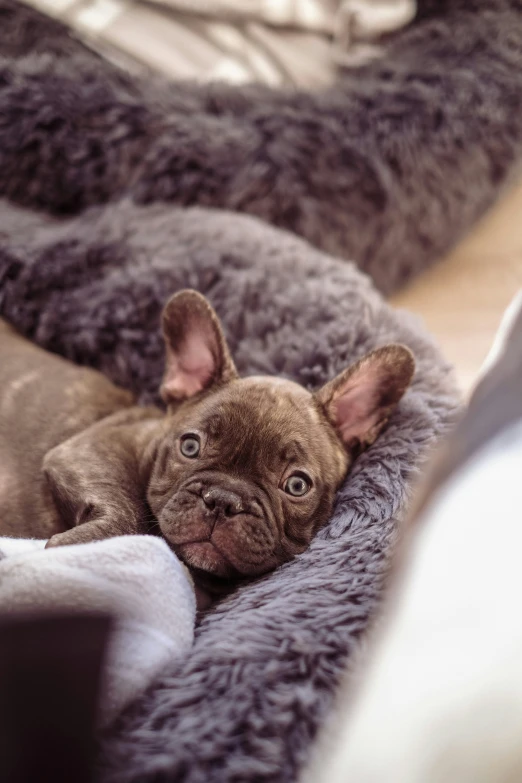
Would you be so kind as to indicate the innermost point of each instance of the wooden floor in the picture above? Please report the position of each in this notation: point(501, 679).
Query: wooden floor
point(463, 297)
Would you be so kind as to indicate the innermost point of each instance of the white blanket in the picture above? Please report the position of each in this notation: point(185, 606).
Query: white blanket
point(137, 579)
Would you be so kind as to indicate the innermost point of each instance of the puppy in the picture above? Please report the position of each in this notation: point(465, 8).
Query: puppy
point(238, 474)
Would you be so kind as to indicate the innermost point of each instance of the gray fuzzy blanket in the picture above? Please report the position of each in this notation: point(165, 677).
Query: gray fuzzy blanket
point(389, 167)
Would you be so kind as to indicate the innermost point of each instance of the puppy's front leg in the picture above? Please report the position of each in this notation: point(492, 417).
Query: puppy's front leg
point(96, 489)
point(94, 530)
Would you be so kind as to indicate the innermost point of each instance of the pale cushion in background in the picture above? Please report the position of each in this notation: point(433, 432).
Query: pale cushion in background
point(275, 42)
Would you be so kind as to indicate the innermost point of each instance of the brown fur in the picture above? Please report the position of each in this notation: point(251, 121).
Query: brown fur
point(79, 461)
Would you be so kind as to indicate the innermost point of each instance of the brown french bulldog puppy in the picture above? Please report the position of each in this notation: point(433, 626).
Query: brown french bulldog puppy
point(238, 474)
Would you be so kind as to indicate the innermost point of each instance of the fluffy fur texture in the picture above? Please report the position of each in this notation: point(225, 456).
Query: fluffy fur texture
point(389, 167)
point(250, 698)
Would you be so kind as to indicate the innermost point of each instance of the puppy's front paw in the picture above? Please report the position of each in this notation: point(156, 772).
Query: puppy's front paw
point(60, 539)
point(73, 536)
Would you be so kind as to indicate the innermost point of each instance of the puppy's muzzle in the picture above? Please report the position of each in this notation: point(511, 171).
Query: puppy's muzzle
point(219, 524)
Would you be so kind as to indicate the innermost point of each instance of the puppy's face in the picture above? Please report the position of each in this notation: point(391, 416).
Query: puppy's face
point(245, 476)
point(246, 470)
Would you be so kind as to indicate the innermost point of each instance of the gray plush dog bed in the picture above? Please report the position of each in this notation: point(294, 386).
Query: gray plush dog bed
point(389, 167)
point(74, 132)
point(247, 703)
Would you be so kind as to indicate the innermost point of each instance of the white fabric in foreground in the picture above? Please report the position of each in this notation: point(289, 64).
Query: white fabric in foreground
point(442, 702)
point(137, 579)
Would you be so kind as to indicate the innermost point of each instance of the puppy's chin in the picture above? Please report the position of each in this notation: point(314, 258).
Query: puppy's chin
point(204, 556)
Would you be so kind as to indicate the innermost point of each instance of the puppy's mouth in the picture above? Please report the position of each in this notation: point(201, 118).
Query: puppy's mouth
point(205, 556)
point(227, 548)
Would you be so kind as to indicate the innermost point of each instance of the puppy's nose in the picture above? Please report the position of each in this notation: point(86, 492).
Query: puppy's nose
point(223, 500)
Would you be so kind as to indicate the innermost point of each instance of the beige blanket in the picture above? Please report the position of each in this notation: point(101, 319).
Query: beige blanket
point(276, 42)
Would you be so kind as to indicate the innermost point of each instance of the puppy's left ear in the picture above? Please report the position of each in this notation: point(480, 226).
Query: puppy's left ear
point(359, 401)
point(197, 354)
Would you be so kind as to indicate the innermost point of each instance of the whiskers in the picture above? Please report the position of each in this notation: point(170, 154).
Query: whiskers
point(150, 522)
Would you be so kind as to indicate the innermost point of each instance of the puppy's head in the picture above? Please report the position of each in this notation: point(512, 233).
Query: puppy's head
point(246, 470)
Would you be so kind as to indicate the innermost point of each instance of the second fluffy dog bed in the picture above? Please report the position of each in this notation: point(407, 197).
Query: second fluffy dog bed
point(389, 167)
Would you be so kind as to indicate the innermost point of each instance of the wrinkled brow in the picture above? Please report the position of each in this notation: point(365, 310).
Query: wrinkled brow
point(293, 451)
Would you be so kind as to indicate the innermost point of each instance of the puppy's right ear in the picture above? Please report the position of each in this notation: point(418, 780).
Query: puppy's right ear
point(360, 400)
point(197, 354)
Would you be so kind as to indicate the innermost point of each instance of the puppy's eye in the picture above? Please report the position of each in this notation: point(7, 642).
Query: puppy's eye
point(297, 485)
point(190, 446)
